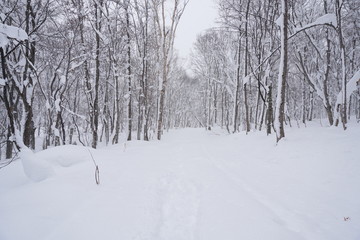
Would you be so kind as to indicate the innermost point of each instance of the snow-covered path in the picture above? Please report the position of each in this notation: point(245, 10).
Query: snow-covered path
point(194, 185)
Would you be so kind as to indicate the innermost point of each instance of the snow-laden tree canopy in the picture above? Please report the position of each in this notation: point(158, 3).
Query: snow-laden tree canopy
point(9, 33)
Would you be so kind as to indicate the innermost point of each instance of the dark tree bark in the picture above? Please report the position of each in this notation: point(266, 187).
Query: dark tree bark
point(128, 41)
point(269, 111)
point(342, 109)
point(237, 92)
point(96, 112)
point(29, 128)
point(246, 58)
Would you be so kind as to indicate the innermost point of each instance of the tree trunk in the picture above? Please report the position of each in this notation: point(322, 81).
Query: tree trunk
point(247, 114)
point(280, 99)
point(237, 93)
point(269, 111)
point(311, 110)
point(303, 103)
point(117, 110)
point(129, 71)
point(328, 107)
point(29, 127)
point(96, 112)
point(343, 108)
point(9, 144)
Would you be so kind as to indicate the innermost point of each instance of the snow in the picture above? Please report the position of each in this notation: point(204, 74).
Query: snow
point(58, 105)
point(76, 65)
point(2, 16)
point(279, 21)
point(64, 155)
point(351, 87)
point(10, 32)
point(21, 63)
point(192, 185)
point(47, 105)
point(329, 18)
point(35, 168)
point(2, 82)
point(3, 40)
point(63, 80)
point(247, 80)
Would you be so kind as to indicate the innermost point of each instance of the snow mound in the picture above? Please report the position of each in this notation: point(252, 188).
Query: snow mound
point(35, 168)
point(10, 32)
point(39, 166)
point(66, 156)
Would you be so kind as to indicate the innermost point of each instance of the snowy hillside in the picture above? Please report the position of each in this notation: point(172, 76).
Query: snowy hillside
point(193, 185)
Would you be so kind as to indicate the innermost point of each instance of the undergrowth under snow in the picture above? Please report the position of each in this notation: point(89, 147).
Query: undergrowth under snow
point(195, 184)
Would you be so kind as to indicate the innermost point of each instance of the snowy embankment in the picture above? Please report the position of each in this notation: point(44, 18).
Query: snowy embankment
point(192, 185)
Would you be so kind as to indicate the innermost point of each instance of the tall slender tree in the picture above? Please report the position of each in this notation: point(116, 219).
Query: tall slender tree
point(283, 71)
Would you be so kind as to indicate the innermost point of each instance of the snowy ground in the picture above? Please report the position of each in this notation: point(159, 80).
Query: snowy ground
point(192, 185)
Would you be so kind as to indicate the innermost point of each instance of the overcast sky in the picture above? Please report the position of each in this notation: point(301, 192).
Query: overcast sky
point(198, 16)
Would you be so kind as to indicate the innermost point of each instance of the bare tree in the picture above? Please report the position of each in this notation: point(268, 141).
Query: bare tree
point(283, 71)
point(166, 32)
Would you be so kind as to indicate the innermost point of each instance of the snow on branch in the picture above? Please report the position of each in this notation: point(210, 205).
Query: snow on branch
point(327, 19)
point(280, 21)
point(351, 87)
point(10, 32)
point(2, 81)
point(247, 79)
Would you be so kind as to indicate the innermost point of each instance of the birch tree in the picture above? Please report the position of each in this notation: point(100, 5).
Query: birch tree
point(283, 71)
point(166, 30)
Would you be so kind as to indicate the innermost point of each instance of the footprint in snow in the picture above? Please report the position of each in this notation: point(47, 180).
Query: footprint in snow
point(179, 209)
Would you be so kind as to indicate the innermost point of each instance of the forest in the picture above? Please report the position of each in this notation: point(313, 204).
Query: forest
point(108, 131)
point(96, 72)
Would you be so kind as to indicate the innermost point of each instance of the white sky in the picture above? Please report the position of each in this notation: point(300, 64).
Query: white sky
point(198, 16)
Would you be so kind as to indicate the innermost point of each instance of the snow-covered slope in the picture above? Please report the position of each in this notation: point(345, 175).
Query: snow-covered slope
point(192, 185)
